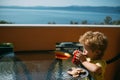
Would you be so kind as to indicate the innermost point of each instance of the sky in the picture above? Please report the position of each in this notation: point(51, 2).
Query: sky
point(59, 2)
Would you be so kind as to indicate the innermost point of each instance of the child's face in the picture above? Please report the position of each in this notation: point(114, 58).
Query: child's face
point(88, 52)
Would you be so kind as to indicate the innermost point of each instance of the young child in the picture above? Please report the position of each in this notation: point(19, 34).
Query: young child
point(95, 44)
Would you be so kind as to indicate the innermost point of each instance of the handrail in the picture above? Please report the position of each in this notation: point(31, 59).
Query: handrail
point(55, 25)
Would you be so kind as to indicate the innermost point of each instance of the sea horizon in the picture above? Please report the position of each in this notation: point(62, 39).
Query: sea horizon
point(58, 15)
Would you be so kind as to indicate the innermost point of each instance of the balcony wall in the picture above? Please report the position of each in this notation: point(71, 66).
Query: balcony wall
point(45, 38)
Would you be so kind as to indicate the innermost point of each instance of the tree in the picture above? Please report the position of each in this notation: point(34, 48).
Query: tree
point(73, 22)
point(108, 20)
point(5, 22)
point(116, 22)
point(84, 22)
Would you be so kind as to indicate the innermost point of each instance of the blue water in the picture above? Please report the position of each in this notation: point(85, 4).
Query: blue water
point(27, 16)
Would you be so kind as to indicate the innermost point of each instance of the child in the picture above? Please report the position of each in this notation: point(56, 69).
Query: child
point(95, 44)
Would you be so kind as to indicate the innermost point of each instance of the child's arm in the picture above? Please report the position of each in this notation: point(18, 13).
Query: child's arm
point(92, 67)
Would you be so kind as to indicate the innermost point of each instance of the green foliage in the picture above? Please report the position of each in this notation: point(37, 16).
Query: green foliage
point(116, 22)
point(108, 20)
point(84, 22)
point(5, 22)
point(73, 22)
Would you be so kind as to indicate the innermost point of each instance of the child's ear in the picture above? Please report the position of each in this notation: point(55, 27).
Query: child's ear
point(98, 53)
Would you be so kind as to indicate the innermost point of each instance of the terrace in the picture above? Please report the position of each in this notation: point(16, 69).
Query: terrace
point(34, 46)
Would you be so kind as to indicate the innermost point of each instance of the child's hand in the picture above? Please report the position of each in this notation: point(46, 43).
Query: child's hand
point(78, 57)
point(81, 57)
point(75, 59)
point(75, 72)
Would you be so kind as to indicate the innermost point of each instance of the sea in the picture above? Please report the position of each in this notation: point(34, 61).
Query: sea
point(33, 16)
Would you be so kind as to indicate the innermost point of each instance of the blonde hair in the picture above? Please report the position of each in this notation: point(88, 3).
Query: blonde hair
point(95, 41)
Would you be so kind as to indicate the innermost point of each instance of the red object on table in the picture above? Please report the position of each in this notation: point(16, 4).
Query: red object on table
point(74, 60)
